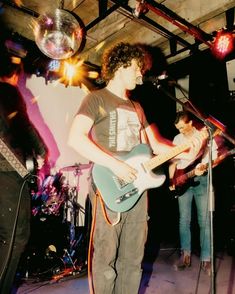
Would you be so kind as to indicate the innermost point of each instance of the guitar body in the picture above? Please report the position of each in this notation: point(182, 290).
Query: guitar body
point(119, 196)
point(183, 180)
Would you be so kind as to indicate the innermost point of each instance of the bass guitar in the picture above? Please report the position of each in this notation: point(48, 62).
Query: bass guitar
point(120, 196)
point(183, 179)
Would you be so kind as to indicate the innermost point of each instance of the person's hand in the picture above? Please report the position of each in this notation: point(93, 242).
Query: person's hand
point(200, 169)
point(172, 187)
point(124, 171)
point(195, 146)
point(199, 139)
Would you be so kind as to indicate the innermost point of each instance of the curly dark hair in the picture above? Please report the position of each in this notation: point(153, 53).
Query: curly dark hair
point(119, 55)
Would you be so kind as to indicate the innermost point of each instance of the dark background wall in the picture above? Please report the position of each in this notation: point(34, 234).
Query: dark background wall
point(208, 91)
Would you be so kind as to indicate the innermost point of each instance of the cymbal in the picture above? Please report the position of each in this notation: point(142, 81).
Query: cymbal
point(75, 167)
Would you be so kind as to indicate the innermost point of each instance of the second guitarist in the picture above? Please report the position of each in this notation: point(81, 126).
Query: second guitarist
point(197, 189)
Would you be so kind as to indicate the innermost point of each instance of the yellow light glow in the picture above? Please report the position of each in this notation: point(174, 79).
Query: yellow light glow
point(71, 72)
point(18, 2)
point(93, 74)
point(99, 46)
point(15, 60)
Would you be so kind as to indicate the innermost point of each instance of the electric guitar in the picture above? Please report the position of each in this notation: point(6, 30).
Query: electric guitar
point(182, 179)
point(15, 162)
point(120, 196)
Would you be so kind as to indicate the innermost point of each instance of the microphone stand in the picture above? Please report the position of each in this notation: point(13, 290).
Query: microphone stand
point(211, 122)
point(211, 126)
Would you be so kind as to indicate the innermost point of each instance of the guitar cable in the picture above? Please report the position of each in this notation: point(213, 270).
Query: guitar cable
point(90, 249)
point(105, 212)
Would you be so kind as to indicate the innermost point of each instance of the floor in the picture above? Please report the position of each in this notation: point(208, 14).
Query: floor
point(159, 274)
point(158, 277)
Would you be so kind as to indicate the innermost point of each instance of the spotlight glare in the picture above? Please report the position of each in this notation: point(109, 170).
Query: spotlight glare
point(71, 72)
point(223, 44)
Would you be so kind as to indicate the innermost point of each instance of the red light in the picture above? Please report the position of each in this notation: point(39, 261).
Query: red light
point(223, 44)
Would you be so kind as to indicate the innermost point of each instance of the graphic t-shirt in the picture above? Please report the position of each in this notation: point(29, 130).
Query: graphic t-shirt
point(117, 122)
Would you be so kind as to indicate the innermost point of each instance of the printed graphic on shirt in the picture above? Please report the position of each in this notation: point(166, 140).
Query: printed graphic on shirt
point(112, 128)
point(124, 131)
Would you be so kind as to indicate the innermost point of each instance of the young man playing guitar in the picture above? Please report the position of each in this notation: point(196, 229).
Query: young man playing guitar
point(196, 189)
point(101, 133)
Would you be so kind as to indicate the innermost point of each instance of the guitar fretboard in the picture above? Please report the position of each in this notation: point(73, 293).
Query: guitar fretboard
point(159, 159)
point(12, 159)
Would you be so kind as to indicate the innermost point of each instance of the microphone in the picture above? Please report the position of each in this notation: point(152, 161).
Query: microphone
point(155, 80)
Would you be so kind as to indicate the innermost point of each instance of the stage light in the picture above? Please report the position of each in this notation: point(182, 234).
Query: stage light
point(58, 34)
point(71, 72)
point(223, 43)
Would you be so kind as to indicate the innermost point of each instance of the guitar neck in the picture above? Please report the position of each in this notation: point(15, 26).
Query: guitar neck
point(215, 162)
point(12, 159)
point(160, 159)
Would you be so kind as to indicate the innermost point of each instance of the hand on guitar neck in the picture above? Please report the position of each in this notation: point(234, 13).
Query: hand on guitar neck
point(182, 177)
point(195, 142)
point(200, 169)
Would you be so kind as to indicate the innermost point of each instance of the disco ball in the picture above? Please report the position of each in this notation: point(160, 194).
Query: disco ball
point(58, 34)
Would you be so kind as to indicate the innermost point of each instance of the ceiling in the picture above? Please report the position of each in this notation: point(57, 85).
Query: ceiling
point(176, 27)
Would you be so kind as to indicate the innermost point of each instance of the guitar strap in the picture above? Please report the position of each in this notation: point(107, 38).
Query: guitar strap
point(12, 159)
point(141, 123)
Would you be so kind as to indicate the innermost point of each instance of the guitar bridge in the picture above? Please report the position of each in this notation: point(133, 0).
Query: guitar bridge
point(119, 182)
point(126, 195)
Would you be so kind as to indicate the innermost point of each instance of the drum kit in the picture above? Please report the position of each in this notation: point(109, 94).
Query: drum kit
point(60, 226)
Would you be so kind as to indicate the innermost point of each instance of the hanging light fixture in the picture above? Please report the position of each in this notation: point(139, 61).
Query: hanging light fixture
point(223, 43)
point(58, 34)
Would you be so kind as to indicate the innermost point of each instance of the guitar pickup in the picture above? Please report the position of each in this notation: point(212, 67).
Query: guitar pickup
point(126, 195)
point(119, 182)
